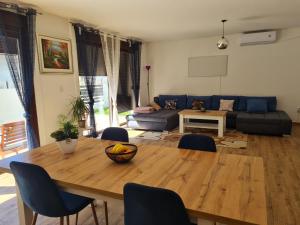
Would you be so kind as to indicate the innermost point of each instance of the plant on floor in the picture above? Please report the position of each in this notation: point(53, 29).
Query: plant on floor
point(78, 111)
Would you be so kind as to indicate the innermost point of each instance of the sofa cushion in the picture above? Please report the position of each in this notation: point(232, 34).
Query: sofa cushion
point(226, 105)
point(270, 123)
point(157, 116)
point(180, 100)
point(215, 105)
point(170, 104)
point(257, 106)
point(264, 118)
point(271, 101)
point(205, 99)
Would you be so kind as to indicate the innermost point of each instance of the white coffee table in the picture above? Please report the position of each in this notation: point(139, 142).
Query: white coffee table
point(187, 114)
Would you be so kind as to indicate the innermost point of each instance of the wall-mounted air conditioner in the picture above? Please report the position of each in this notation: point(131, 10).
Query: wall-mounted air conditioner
point(258, 37)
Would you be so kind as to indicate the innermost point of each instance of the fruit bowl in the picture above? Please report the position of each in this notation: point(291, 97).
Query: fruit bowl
point(122, 156)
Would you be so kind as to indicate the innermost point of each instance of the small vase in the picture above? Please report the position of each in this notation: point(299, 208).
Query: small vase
point(67, 146)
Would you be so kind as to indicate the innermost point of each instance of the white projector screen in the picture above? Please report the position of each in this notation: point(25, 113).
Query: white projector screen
point(206, 66)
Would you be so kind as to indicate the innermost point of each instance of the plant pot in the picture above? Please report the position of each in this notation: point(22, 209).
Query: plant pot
point(67, 146)
point(81, 123)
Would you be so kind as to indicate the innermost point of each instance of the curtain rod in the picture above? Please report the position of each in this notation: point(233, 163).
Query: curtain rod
point(122, 38)
point(11, 6)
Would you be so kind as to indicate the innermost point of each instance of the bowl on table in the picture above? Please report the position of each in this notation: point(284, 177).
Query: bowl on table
point(125, 153)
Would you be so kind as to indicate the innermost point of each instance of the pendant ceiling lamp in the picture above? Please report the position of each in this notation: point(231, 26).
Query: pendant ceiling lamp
point(223, 42)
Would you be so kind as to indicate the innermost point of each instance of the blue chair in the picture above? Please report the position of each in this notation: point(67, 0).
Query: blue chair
point(197, 142)
point(115, 134)
point(153, 206)
point(40, 193)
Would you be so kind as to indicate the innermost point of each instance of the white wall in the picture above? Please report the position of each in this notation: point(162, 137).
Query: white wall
point(272, 69)
point(54, 91)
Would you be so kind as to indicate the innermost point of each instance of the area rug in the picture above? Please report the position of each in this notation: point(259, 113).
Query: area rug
point(231, 139)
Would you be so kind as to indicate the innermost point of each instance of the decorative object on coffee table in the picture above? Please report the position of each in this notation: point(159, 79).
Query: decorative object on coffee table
point(198, 105)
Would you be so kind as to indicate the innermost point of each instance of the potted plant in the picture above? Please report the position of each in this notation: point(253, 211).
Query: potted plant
point(79, 111)
point(66, 137)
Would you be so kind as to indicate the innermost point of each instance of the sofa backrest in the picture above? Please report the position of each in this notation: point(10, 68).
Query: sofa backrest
point(213, 102)
point(271, 101)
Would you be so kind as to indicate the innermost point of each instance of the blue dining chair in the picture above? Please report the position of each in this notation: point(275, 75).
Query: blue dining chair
point(39, 192)
point(115, 134)
point(197, 142)
point(146, 205)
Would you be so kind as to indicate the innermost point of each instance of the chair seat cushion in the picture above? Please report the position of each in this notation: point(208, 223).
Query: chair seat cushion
point(74, 203)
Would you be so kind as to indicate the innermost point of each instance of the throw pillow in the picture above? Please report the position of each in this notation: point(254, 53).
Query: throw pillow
point(257, 106)
point(197, 104)
point(226, 105)
point(155, 106)
point(170, 104)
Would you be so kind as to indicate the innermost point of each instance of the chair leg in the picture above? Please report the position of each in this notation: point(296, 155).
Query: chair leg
point(34, 218)
point(94, 213)
point(106, 212)
point(61, 220)
point(68, 220)
point(76, 219)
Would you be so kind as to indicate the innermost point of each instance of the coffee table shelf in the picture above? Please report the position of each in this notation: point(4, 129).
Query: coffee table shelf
point(202, 125)
point(219, 116)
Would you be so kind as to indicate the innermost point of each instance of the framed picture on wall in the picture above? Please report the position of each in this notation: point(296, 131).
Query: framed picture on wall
point(55, 54)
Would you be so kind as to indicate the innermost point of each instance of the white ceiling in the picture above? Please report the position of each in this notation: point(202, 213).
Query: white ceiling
point(156, 20)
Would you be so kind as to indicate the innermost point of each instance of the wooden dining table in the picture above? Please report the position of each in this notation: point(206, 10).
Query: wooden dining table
point(224, 188)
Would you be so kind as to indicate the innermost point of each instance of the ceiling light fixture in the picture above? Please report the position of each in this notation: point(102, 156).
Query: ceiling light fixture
point(223, 42)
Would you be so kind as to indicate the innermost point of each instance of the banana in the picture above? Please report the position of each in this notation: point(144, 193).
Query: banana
point(119, 148)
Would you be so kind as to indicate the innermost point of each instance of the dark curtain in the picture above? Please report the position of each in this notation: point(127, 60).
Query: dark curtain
point(135, 65)
point(17, 32)
point(88, 45)
point(124, 97)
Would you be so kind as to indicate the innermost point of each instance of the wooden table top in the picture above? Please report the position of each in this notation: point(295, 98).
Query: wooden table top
point(215, 113)
point(220, 187)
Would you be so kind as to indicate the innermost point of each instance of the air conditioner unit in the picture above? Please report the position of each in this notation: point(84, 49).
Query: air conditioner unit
point(259, 37)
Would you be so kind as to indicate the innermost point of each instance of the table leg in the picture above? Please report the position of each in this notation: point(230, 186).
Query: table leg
point(221, 127)
point(181, 124)
point(25, 213)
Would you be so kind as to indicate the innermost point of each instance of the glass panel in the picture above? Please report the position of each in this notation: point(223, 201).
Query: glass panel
point(101, 106)
point(11, 112)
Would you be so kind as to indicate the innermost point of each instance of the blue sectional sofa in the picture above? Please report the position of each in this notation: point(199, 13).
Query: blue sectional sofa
point(244, 117)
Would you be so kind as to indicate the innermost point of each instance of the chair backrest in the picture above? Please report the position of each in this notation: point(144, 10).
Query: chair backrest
point(115, 134)
point(153, 206)
point(13, 135)
point(38, 190)
point(197, 142)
